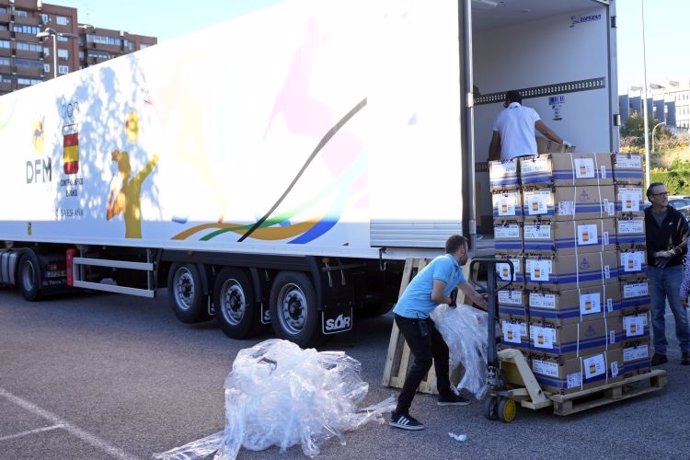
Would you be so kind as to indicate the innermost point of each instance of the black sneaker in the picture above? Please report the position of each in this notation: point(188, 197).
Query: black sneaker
point(659, 359)
point(452, 400)
point(405, 422)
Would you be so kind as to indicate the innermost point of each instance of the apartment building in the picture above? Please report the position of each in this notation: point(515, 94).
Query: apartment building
point(31, 31)
point(669, 102)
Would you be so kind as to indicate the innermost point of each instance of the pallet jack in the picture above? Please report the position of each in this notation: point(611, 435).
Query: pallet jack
point(508, 366)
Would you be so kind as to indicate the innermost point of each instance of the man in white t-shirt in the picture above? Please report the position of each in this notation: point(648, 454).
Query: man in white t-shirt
point(515, 130)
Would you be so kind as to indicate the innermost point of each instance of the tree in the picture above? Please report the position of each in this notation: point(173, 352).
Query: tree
point(632, 132)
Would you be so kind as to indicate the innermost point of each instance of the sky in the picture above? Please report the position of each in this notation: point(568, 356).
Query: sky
point(666, 26)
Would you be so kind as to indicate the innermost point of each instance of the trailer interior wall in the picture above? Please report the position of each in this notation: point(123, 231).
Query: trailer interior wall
point(570, 47)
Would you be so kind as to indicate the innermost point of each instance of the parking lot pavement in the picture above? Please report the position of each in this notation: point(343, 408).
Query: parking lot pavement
point(107, 376)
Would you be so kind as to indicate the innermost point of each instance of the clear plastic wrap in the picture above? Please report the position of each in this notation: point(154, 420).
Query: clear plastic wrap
point(465, 331)
point(278, 394)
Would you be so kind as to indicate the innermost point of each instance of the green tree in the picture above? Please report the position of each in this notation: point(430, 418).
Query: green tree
point(676, 178)
point(632, 132)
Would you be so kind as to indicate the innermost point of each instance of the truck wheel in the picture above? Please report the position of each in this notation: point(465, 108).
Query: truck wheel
point(29, 276)
point(236, 311)
point(186, 294)
point(294, 315)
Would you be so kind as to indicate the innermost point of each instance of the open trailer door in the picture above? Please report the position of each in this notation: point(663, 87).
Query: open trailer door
point(561, 56)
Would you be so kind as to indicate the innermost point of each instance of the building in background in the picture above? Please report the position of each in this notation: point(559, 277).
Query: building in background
point(26, 59)
point(669, 103)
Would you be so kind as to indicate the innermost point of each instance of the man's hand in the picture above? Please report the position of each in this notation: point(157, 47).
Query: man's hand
point(482, 301)
point(664, 254)
point(684, 301)
point(453, 298)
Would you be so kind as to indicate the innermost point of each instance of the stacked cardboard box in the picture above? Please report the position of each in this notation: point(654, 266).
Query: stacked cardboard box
point(634, 289)
point(578, 300)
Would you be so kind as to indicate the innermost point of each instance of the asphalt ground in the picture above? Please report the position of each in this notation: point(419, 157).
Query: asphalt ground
point(108, 376)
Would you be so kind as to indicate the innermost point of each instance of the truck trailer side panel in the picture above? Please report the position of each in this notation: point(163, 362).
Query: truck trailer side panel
point(239, 140)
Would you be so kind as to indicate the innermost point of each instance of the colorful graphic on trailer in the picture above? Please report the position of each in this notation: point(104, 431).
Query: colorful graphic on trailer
point(153, 146)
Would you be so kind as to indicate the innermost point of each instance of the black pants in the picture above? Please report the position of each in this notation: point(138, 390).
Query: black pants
point(424, 349)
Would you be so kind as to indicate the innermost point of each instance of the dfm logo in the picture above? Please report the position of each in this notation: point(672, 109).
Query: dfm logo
point(41, 170)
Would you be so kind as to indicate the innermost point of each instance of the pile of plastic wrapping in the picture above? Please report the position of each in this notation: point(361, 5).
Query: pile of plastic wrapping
point(465, 330)
point(278, 394)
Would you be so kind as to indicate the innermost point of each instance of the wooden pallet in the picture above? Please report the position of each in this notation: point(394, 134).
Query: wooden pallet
point(398, 359)
point(606, 394)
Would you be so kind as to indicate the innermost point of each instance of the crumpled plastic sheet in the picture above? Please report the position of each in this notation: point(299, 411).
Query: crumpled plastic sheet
point(465, 331)
point(278, 394)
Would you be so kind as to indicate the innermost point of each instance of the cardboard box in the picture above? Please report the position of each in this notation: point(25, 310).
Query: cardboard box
point(634, 295)
point(503, 175)
point(508, 235)
point(575, 305)
point(627, 168)
point(568, 203)
point(514, 333)
point(575, 339)
point(566, 169)
point(562, 273)
point(503, 270)
point(637, 357)
point(507, 205)
point(545, 145)
point(630, 233)
point(632, 262)
point(578, 374)
point(512, 304)
point(629, 201)
point(577, 236)
point(636, 326)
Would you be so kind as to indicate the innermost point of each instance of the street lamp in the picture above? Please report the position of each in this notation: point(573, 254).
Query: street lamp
point(654, 129)
point(647, 172)
point(49, 32)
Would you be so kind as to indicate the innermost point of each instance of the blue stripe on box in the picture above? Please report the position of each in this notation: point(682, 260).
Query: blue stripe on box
point(628, 175)
point(639, 238)
point(590, 275)
point(511, 310)
point(573, 346)
point(562, 383)
point(561, 243)
point(637, 365)
point(504, 182)
point(550, 313)
point(635, 301)
point(507, 245)
point(563, 174)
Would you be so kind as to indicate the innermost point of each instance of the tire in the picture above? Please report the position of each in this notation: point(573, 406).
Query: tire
point(185, 293)
point(491, 408)
point(237, 312)
point(294, 313)
point(29, 276)
point(507, 410)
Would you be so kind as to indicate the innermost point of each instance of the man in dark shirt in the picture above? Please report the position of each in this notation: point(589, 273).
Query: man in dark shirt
point(667, 243)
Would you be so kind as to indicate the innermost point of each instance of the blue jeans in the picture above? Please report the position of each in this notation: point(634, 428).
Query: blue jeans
point(664, 283)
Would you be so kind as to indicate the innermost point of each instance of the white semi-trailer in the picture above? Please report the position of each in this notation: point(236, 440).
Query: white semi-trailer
point(281, 167)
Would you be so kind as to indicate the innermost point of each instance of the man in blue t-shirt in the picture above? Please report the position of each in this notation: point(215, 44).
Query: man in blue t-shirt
point(436, 284)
